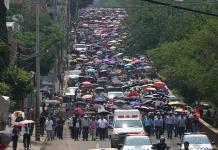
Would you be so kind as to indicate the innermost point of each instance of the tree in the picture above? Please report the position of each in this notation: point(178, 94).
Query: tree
point(5, 89)
point(3, 28)
point(20, 83)
point(4, 56)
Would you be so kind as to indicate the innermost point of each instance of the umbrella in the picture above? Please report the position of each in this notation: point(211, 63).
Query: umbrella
point(99, 88)
point(135, 103)
point(91, 70)
point(90, 112)
point(102, 112)
point(118, 55)
point(159, 84)
point(87, 83)
point(85, 97)
point(18, 124)
point(112, 48)
point(120, 101)
point(113, 107)
point(171, 97)
point(5, 137)
point(98, 61)
point(147, 102)
point(151, 89)
point(137, 61)
point(27, 121)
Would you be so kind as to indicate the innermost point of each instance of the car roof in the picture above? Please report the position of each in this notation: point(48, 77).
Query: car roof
point(135, 136)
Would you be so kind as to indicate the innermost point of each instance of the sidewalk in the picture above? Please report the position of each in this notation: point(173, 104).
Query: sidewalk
point(35, 145)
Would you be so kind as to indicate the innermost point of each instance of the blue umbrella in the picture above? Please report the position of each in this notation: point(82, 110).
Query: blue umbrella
point(135, 103)
point(91, 70)
point(171, 97)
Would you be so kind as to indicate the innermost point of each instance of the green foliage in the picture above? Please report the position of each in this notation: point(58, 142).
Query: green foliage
point(51, 37)
point(191, 65)
point(183, 45)
point(77, 4)
point(19, 81)
point(4, 55)
point(5, 89)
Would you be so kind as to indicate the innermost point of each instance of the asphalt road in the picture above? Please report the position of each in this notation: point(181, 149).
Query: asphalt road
point(68, 144)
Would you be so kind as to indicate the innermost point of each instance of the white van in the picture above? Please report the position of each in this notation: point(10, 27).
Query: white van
point(126, 122)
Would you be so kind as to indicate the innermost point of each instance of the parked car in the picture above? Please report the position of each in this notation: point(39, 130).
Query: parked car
point(196, 142)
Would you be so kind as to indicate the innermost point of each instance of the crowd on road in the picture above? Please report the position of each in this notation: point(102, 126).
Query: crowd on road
point(102, 78)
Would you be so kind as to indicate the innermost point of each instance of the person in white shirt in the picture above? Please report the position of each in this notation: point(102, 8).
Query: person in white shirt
point(102, 124)
point(48, 128)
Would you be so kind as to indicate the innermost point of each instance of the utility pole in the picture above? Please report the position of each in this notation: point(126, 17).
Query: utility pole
point(37, 78)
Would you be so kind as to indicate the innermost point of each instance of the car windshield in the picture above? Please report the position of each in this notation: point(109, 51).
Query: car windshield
point(137, 141)
point(197, 139)
point(80, 46)
point(128, 123)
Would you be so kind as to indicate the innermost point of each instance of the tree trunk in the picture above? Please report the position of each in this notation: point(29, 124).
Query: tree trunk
point(3, 27)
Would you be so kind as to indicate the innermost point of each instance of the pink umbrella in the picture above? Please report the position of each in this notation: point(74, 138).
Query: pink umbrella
point(137, 61)
point(80, 111)
point(86, 83)
point(98, 61)
point(106, 60)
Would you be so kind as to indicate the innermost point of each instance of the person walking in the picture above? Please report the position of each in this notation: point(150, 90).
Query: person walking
point(70, 123)
point(60, 126)
point(77, 127)
point(85, 128)
point(102, 123)
point(176, 127)
point(169, 120)
point(148, 123)
point(42, 124)
point(15, 136)
point(26, 136)
point(158, 125)
point(181, 125)
point(49, 128)
point(92, 126)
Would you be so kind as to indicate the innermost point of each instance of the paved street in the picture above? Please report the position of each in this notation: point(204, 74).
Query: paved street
point(69, 144)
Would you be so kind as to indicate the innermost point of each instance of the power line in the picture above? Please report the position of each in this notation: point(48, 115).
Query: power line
point(180, 7)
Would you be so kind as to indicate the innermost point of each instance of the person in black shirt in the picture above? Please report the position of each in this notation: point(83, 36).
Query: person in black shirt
point(162, 145)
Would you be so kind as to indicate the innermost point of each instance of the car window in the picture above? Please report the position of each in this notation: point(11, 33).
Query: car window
point(80, 46)
point(197, 139)
point(137, 141)
point(128, 123)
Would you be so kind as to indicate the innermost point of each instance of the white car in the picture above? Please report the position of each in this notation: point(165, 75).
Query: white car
point(197, 142)
point(75, 72)
point(71, 91)
point(80, 47)
point(136, 143)
point(126, 122)
point(111, 95)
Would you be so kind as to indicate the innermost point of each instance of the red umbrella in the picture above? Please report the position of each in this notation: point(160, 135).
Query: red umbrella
point(159, 84)
point(137, 61)
point(86, 83)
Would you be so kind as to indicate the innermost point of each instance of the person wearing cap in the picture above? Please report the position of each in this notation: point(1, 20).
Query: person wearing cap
point(85, 128)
